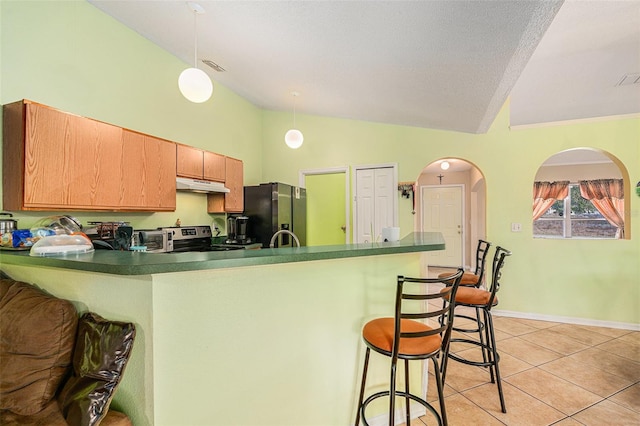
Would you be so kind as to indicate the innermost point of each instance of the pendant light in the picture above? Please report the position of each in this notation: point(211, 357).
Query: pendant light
point(195, 84)
point(293, 138)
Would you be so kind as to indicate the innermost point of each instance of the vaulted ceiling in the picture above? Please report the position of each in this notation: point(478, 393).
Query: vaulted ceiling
point(437, 64)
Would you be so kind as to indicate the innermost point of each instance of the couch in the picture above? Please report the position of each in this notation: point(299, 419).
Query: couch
point(57, 368)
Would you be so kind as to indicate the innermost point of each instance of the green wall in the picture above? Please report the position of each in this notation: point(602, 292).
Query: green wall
point(72, 56)
point(573, 280)
point(69, 55)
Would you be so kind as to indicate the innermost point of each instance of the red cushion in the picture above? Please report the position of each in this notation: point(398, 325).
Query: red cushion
point(379, 333)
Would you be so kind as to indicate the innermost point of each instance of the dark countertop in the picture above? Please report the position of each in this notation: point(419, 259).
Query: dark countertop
point(137, 263)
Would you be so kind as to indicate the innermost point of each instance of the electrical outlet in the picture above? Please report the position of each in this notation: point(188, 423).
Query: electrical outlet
point(516, 227)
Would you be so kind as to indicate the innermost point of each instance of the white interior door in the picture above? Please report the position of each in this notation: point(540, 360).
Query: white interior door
point(375, 206)
point(442, 208)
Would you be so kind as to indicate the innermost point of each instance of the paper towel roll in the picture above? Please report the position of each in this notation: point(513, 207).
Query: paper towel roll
point(391, 234)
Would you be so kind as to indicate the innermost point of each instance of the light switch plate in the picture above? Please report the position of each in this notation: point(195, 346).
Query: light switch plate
point(516, 227)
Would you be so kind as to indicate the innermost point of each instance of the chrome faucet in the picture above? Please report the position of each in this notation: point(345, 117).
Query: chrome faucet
point(283, 231)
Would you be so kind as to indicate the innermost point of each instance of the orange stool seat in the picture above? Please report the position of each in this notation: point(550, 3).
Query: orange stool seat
point(474, 297)
point(468, 278)
point(379, 333)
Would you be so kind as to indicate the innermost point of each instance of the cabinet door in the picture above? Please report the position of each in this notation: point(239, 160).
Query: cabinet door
point(97, 164)
point(214, 167)
point(70, 161)
point(234, 200)
point(163, 153)
point(148, 170)
point(190, 162)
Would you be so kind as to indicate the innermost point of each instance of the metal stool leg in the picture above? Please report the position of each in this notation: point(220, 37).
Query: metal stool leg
point(406, 388)
point(364, 379)
point(485, 349)
point(495, 356)
point(392, 392)
point(440, 387)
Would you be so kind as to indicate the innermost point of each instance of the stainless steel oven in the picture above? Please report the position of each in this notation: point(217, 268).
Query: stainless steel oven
point(190, 238)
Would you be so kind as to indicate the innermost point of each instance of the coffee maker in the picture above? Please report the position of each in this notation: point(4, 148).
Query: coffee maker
point(237, 230)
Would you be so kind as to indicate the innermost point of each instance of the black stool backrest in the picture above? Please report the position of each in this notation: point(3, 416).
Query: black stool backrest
point(443, 315)
point(496, 272)
point(481, 259)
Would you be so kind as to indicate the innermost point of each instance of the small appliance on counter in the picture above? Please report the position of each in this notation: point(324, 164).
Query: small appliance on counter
point(237, 230)
point(153, 240)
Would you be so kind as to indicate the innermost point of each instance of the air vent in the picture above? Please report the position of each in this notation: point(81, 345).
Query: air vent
point(629, 79)
point(213, 65)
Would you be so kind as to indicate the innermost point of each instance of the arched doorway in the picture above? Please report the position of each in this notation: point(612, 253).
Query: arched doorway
point(452, 200)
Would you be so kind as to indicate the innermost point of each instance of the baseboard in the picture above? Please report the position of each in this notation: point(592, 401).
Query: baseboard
point(568, 320)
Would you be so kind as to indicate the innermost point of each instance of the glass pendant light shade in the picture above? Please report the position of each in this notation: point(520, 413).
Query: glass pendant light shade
point(293, 138)
point(195, 85)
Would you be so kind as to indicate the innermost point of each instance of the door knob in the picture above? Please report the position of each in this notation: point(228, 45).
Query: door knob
point(344, 228)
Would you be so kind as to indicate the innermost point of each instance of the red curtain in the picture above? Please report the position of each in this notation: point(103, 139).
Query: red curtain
point(547, 193)
point(607, 195)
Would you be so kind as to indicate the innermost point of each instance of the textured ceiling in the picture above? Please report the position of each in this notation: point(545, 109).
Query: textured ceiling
point(574, 73)
point(436, 64)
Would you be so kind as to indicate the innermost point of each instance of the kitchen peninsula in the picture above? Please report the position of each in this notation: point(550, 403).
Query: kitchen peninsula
point(257, 337)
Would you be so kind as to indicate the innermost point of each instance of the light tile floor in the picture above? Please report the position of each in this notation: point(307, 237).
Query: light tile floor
point(552, 374)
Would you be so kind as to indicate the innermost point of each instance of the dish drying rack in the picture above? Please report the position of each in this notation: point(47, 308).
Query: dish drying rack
point(107, 230)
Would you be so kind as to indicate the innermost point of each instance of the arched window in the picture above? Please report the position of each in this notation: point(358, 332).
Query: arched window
point(579, 193)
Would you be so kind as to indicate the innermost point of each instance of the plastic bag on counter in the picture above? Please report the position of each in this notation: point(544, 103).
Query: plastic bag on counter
point(21, 238)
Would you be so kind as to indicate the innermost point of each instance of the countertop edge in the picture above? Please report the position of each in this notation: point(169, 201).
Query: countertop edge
point(131, 263)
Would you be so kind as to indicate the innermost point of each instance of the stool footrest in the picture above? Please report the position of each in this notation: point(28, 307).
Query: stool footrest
point(399, 394)
point(476, 363)
point(468, 330)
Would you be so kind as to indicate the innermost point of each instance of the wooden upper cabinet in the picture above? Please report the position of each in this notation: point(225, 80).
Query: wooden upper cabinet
point(148, 172)
point(214, 167)
point(190, 162)
point(69, 160)
point(233, 201)
point(198, 164)
point(53, 160)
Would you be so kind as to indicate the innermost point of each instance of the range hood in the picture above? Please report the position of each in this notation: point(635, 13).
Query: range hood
point(195, 185)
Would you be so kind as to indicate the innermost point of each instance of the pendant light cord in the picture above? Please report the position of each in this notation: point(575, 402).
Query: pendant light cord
point(195, 39)
point(295, 97)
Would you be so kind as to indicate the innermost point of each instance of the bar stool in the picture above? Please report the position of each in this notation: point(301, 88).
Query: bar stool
point(404, 337)
point(484, 300)
point(475, 278)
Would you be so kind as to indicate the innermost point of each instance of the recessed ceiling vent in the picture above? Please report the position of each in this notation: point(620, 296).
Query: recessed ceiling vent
point(629, 79)
point(213, 65)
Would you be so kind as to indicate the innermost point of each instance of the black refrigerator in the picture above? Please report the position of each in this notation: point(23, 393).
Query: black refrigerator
point(273, 206)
